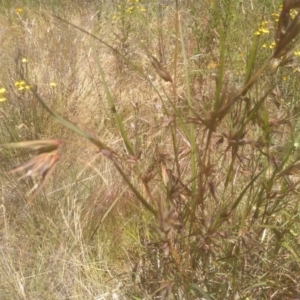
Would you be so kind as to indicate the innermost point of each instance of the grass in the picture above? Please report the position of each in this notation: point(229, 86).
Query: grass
point(149, 151)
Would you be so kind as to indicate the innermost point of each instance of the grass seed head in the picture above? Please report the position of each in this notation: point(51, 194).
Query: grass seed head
point(288, 28)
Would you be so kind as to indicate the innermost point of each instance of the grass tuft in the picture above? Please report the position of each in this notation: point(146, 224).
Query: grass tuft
point(156, 146)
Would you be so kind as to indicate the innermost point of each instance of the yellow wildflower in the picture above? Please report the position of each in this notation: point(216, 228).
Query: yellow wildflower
point(263, 30)
point(21, 85)
point(2, 96)
point(297, 53)
point(18, 10)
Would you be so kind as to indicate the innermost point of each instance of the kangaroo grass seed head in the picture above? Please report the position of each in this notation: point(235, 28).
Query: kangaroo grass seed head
point(288, 28)
point(41, 165)
point(291, 4)
point(161, 70)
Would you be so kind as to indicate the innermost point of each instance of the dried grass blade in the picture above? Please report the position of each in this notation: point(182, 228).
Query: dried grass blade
point(39, 145)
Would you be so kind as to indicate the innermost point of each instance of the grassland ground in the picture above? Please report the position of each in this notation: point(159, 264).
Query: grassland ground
point(160, 140)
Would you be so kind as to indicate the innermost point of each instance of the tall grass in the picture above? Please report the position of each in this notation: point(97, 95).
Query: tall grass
point(157, 150)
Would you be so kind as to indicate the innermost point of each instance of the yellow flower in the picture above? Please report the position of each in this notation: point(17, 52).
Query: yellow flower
point(293, 13)
point(263, 30)
point(24, 60)
point(297, 53)
point(19, 83)
point(212, 65)
point(53, 84)
point(18, 10)
point(2, 92)
point(143, 9)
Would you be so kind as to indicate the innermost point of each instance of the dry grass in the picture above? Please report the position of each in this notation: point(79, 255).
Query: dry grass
point(178, 172)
